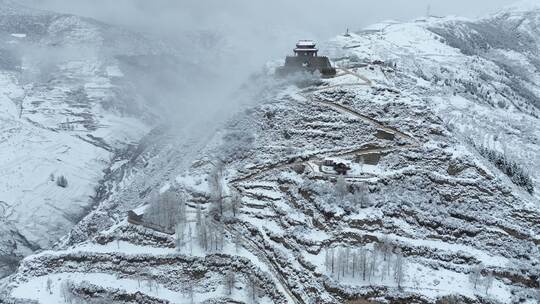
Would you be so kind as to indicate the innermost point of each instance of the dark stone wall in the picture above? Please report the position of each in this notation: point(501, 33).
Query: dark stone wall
point(308, 63)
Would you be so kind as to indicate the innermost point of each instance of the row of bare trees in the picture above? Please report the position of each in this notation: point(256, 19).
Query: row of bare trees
point(208, 234)
point(166, 211)
point(252, 285)
point(382, 263)
point(222, 204)
point(230, 279)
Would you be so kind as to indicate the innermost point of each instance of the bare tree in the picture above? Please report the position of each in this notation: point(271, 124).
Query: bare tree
point(340, 258)
point(253, 289)
point(215, 180)
point(237, 242)
point(488, 282)
point(236, 203)
point(327, 261)
point(475, 275)
point(182, 212)
point(221, 236)
point(361, 196)
point(341, 187)
point(390, 261)
point(399, 269)
point(202, 234)
point(66, 291)
point(190, 239)
point(149, 284)
point(363, 263)
point(179, 236)
point(354, 263)
point(211, 237)
point(385, 247)
point(191, 291)
point(49, 285)
point(332, 261)
point(347, 261)
point(374, 262)
point(170, 208)
point(198, 215)
point(230, 279)
point(26, 81)
point(344, 262)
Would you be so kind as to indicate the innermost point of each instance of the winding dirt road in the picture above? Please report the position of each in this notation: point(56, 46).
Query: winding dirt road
point(367, 119)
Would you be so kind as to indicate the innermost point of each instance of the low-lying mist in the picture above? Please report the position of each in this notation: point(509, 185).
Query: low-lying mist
point(221, 43)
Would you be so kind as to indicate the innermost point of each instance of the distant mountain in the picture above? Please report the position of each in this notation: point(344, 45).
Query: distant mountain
point(511, 40)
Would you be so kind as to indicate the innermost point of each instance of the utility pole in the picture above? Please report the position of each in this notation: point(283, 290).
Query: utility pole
point(428, 11)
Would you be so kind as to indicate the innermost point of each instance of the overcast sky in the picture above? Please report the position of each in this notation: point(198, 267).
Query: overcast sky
point(324, 18)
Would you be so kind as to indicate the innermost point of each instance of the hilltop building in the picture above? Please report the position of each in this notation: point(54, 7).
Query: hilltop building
point(306, 58)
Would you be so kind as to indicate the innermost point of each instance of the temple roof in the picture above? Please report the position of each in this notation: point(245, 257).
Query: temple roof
point(305, 44)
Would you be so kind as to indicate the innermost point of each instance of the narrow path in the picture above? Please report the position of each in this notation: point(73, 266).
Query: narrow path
point(353, 84)
point(366, 82)
point(359, 76)
point(365, 118)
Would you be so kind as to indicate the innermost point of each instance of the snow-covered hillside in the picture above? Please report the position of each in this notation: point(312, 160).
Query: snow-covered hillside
point(71, 98)
point(437, 121)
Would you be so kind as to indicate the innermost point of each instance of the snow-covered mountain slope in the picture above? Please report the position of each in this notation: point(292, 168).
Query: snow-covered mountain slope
point(73, 93)
point(493, 100)
point(436, 205)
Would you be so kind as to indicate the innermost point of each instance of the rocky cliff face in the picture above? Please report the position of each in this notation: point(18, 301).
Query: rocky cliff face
point(437, 121)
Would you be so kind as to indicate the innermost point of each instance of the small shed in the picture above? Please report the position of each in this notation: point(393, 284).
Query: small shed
point(341, 168)
point(135, 216)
